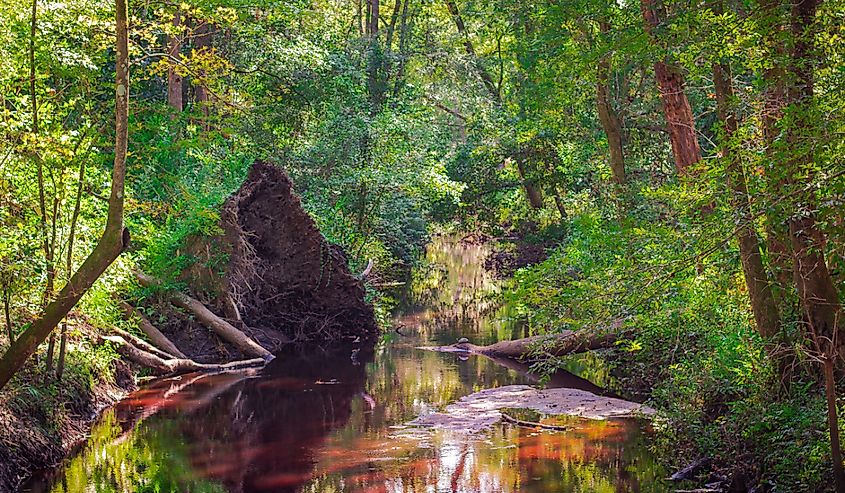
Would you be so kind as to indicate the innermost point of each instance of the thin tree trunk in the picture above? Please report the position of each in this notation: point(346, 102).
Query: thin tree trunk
point(756, 277)
point(115, 238)
point(486, 79)
point(608, 117)
point(771, 23)
point(403, 35)
point(535, 196)
point(77, 207)
point(156, 336)
point(816, 290)
point(174, 79)
point(202, 44)
point(833, 425)
point(676, 108)
point(7, 312)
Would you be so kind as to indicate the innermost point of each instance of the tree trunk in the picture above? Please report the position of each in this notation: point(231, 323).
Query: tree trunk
point(222, 328)
point(771, 23)
point(534, 195)
point(115, 238)
point(7, 312)
point(74, 219)
point(833, 425)
point(174, 79)
point(202, 43)
point(551, 345)
point(486, 79)
point(676, 108)
point(158, 339)
point(608, 117)
point(756, 277)
point(818, 295)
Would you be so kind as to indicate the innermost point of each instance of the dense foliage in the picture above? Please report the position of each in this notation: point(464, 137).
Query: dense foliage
point(681, 163)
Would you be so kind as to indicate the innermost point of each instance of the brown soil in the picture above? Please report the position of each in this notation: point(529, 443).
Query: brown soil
point(283, 280)
point(33, 435)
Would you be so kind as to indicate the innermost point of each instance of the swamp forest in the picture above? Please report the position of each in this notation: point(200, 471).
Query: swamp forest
point(409, 246)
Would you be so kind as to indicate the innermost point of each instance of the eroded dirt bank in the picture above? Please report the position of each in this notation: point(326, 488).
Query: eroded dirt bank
point(35, 434)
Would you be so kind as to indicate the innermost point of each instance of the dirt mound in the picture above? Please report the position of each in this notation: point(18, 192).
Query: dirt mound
point(282, 280)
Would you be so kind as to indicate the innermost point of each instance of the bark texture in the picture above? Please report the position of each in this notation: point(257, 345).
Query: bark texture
point(676, 108)
point(543, 346)
point(174, 78)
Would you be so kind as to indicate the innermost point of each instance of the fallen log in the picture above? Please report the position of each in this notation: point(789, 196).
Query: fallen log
point(536, 347)
point(173, 366)
point(146, 346)
point(222, 328)
point(156, 336)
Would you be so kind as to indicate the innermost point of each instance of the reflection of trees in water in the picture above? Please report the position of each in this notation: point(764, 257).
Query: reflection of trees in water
point(262, 435)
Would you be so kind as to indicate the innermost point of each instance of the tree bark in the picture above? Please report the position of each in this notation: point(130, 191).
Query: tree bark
point(158, 339)
point(115, 238)
point(202, 43)
point(608, 117)
point(222, 328)
point(816, 290)
point(486, 79)
point(174, 79)
point(560, 344)
point(756, 277)
point(534, 195)
point(676, 108)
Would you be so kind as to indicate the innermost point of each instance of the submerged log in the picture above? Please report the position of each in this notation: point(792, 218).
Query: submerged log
point(222, 328)
point(536, 347)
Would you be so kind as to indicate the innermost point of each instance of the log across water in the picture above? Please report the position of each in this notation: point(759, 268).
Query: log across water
point(535, 347)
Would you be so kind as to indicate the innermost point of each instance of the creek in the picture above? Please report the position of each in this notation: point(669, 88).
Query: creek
point(337, 420)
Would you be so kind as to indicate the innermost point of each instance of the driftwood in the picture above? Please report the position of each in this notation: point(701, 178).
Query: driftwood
point(158, 339)
point(532, 424)
point(691, 470)
point(173, 365)
point(221, 327)
point(529, 348)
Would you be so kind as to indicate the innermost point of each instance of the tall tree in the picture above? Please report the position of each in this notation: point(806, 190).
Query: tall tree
point(819, 298)
point(115, 238)
point(756, 277)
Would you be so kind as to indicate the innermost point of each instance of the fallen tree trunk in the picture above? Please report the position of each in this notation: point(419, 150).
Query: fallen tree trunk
point(537, 347)
point(158, 339)
point(173, 365)
point(222, 328)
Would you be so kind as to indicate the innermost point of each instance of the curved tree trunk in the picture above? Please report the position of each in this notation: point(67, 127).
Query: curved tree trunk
point(115, 238)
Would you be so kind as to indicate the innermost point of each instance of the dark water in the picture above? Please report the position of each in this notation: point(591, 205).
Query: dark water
point(332, 421)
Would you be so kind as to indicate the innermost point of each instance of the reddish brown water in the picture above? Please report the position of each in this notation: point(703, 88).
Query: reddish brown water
point(332, 421)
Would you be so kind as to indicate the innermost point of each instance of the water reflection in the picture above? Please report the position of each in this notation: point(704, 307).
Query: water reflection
point(332, 421)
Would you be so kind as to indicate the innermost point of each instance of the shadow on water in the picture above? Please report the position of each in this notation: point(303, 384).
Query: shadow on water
point(335, 420)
